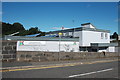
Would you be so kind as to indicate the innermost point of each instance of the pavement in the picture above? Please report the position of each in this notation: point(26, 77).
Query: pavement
point(17, 64)
point(90, 68)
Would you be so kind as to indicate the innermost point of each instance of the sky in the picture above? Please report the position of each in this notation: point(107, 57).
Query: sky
point(60, 0)
point(50, 16)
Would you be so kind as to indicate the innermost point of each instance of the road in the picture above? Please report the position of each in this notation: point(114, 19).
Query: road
point(90, 70)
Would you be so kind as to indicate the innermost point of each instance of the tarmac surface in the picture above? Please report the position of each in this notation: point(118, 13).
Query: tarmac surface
point(92, 68)
point(17, 64)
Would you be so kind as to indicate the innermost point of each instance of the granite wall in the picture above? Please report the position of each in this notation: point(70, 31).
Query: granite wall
point(9, 53)
point(9, 50)
point(55, 56)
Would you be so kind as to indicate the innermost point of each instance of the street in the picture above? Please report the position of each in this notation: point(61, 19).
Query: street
point(96, 70)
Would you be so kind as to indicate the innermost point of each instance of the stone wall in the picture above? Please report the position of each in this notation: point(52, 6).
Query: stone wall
point(9, 50)
point(55, 56)
point(9, 53)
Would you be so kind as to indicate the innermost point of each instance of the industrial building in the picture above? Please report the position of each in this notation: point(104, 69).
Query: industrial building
point(75, 32)
point(91, 39)
point(86, 38)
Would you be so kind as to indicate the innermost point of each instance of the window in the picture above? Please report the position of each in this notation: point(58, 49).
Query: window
point(106, 36)
point(101, 35)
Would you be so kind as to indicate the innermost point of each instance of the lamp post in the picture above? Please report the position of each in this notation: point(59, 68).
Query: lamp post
point(74, 33)
point(59, 46)
point(73, 28)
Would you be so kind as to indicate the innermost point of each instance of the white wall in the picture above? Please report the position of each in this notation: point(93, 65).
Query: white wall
point(91, 26)
point(76, 33)
point(88, 26)
point(103, 50)
point(52, 46)
point(88, 37)
point(111, 49)
point(119, 37)
point(70, 33)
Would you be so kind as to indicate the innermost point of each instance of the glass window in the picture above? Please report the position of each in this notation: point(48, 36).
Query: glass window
point(105, 35)
point(101, 35)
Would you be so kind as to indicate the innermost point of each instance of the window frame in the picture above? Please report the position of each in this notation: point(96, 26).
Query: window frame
point(102, 35)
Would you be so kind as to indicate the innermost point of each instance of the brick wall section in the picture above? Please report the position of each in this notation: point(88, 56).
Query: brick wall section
point(9, 50)
point(54, 56)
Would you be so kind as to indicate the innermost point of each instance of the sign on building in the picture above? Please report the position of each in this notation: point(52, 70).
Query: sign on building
point(52, 46)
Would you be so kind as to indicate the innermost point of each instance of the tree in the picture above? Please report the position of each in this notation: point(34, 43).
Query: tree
point(11, 28)
point(7, 29)
point(18, 26)
point(115, 36)
point(33, 30)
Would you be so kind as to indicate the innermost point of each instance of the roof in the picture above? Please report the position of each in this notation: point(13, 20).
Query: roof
point(85, 24)
point(88, 24)
point(33, 35)
point(18, 38)
point(79, 29)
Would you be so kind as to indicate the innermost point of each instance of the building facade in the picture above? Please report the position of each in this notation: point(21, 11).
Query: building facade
point(48, 46)
point(91, 39)
point(87, 38)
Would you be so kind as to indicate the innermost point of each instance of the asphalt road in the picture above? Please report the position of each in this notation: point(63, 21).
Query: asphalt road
point(17, 64)
point(97, 70)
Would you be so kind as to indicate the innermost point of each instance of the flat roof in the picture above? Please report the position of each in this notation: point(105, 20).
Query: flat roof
point(85, 24)
point(79, 29)
point(40, 38)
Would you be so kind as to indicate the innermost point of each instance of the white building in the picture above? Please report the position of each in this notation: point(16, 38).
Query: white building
point(118, 37)
point(86, 38)
point(90, 38)
point(48, 46)
point(93, 39)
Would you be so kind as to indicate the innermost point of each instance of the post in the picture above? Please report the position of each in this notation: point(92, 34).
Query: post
point(39, 58)
point(74, 33)
point(59, 42)
point(73, 28)
point(86, 48)
point(59, 46)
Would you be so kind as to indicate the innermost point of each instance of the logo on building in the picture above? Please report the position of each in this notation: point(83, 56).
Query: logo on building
point(74, 43)
point(21, 43)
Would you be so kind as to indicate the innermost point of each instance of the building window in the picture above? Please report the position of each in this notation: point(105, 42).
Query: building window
point(102, 36)
point(106, 36)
